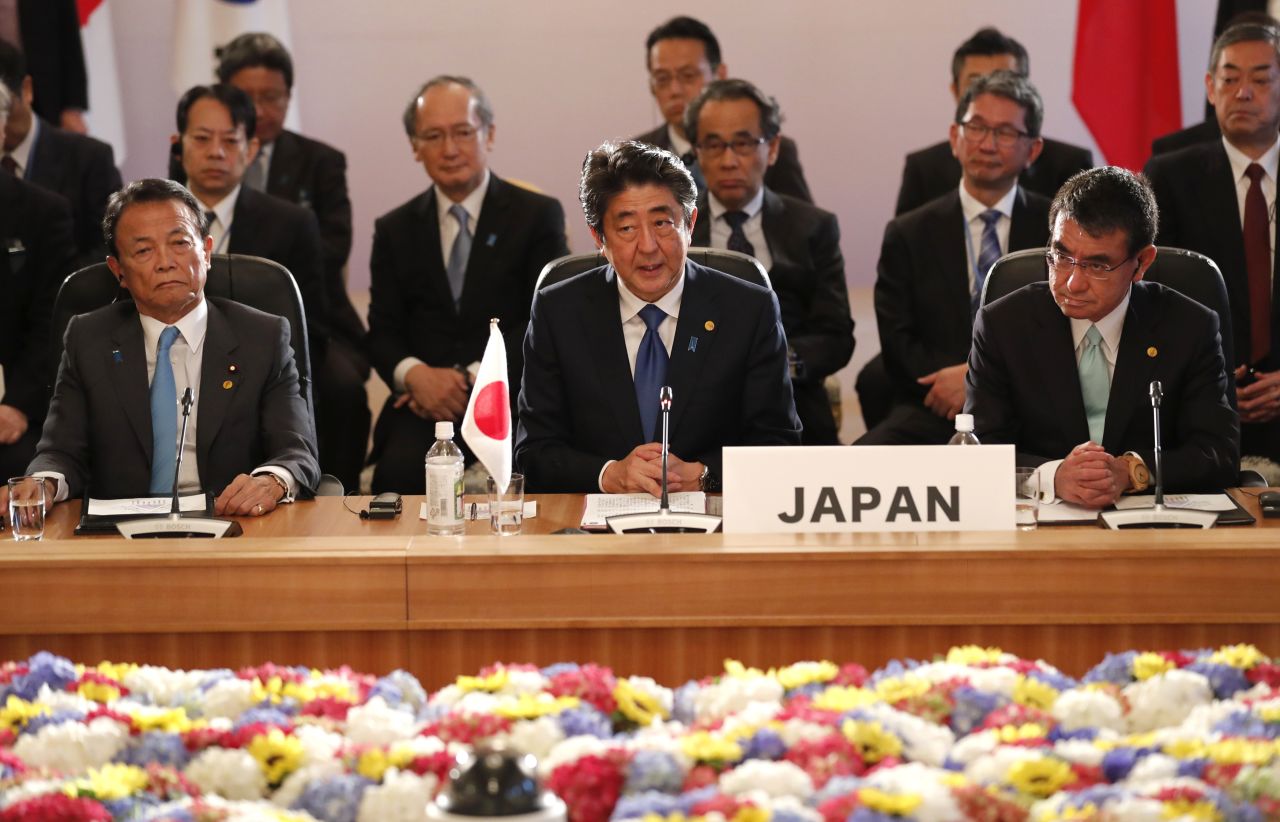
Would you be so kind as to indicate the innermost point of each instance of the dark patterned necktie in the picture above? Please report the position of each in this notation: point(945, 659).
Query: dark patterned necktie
point(737, 237)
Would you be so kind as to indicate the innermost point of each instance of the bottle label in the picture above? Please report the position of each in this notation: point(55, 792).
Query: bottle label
point(444, 494)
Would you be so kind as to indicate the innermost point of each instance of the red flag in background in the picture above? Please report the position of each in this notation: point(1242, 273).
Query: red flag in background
point(1125, 83)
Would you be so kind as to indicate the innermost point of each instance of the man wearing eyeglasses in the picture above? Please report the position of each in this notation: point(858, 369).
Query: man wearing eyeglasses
point(683, 55)
point(934, 260)
point(1219, 198)
point(1062, 369)
point(735, 129)
point(467, 249)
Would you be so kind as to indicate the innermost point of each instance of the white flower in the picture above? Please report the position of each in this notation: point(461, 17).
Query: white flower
point(937, 804)
point(163, 686)
point(733, 694)
point(977, 744)
point(295, 783)
point(318, 745)
point(1152, 768)
point(476, 702)
point(226, 698)
point(229, 772)
point(1079, 751)
point(773, 778)
point(28, 789)
point(793, 807)
point(650, 688)
point(1078, 708)
point(993, 768)
point(1200, 722)
point(994, 680)
point(922, 740)
point(376, 724)
point(401, 797)
point(1135, 809)
point(795, 731)
point(1165, 699)
point(446, 697)
point(72, 748)
point(525, 682)
point(754, 716)
point(57, 701)
point(537, 736)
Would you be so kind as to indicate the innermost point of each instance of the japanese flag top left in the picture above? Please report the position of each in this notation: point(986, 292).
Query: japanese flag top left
point(486, 428)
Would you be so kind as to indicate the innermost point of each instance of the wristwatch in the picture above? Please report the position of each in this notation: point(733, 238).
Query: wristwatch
point(704, 479)
point(1139, 476)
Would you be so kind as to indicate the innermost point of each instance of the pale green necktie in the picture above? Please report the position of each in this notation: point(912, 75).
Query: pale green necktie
point(1095, 384)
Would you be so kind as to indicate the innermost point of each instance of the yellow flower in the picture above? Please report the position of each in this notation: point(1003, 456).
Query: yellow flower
point(888, 803)
point(528, 706)
point(750, 813)
point(839, 699)
point(17, 712)
point(174, 720)
point(871, 739)
point(1188, 809)
point(278, 754)
point(973, 655)
point(1009, 734)
point(1040, 777)
point(1242, 751)
point(117, 671)
point(705, 747)
point(805, 673)
point(492, 683)
point(1147, 665)
point(109, 782)
point(635, 704)
point(98, 691)
point(374, 762)
point(735, 669)
point(896, 689)
point(1186, 749)
point(1034, 694)
point(953, 780)
point(1271, 713)
point(1238, 656)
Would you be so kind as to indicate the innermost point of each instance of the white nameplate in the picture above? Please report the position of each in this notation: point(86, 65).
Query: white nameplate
point(839, 489)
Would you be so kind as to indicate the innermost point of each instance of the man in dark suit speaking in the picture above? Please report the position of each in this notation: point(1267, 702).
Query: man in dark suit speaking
point(1062, 369)
point(114, 422)
point(602, 343)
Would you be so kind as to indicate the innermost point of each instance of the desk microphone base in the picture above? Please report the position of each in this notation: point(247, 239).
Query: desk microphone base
point(663, 522)
point(1157, 517)
point(176, 527)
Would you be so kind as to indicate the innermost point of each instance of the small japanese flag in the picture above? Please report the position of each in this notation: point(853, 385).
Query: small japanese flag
point(486, 428)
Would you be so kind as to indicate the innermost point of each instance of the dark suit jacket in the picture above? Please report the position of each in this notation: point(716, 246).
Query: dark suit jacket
point(411, 310)
point(83, 171)
point(578, 405)
point(922, 285)
point(1205, 131)
point(282, 232)
point(931, 172)
point(785, 176)
point(1024, 385)
point(50, 31)
point(808, 276)
point(98, 433)
point(36, 244)
point(1199, 212)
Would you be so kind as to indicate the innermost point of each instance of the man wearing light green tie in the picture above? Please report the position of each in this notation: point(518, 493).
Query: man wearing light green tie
point(1062, 369)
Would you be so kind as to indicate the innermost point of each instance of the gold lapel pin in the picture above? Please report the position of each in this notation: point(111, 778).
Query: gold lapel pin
point(226, 384)
point(1152, 352)
point(709, 325)
point(232, 368)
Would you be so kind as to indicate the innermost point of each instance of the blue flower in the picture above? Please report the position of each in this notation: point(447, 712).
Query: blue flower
point(654, 771)
point(400, 688)
point(1059, 734)
point(1193, 768)
point(689, 799)
point(868, 815)
point(1115, 668)
point(266, 715)
point(1054, 679)
point(585, 720)
point(836, 786)
point(1247, 725)
point(168, 813)
point(554, 670)
point(971, 707)
point(155, 746)
point(787, 816)
point(336, 799)
point(1224, 679)
point(640, 805)
point(895, 668)
point(811, 689)
point(131, 808)
point(1117, 763)
point(214, 676)
point(56, 718)
point(44, 669)
point(765, 744)
point(683, 707)
point(1097, 795)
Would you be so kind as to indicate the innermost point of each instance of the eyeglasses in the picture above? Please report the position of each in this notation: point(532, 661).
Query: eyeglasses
point(269, 99)
point(1062, 265)
point(1005, 136)
point(459, 134)
point(685, 77)
point(742, 146)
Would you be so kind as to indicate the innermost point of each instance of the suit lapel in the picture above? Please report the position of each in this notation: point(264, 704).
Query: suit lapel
point(427, 248)
point(694, 340)
point(244, 223)
point(126, 357)
point(220, 343)
point(1059, 356)
point(613, 374)
point(1221, 214)
point(773, 216)
point(951, 254)
point(1132, 377)
point(487, 239)
point(1023, 232)
point(286, 162)
point(702, 228)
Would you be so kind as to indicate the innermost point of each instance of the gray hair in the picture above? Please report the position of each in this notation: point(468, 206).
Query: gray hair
point(483, 107)
point(734, 89)
point(1011, 86)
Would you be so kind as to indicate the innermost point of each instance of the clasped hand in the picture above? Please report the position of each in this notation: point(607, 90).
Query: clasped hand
point(435, 393)
point(1259, 401)
point(641, 470)
point(1091, 477)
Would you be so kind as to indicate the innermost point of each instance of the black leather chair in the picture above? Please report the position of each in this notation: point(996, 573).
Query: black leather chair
point(740, 265)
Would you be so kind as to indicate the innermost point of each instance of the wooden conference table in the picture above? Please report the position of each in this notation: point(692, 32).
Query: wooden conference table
point(313, 584)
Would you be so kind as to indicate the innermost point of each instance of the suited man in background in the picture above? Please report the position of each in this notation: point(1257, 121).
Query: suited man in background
point(933, 171)
point(36, 246)
point(1219, 199)
point(682, 55)
point(467, 249)
point(1062, 369)
point(935, 258)
point(80, 169)
point(735, 128)
point(48, 32)
point(602, 343)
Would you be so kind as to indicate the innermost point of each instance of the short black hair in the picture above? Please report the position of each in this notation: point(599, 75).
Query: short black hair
point(239, 104)
point(255, 50)
point(614, 167)
point(989, 42)
point(147, 190)
point(685, 28)
point(1245, 33)
point(13, 66)
point(1102, 200)
point(484, 109)
point(1012, 87)
point(734, 89)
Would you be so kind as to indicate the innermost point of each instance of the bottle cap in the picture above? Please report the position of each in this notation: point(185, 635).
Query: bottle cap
point(444, 430)
point(964, 422)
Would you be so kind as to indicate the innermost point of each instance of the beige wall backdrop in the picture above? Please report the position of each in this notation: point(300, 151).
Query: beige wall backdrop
point(860, 84)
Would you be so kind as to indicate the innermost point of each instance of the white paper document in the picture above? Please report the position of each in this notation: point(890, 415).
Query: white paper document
point(602, 506)
point(1194, 502)
point(480, 510)
point(1065, 512)
point(144, 505)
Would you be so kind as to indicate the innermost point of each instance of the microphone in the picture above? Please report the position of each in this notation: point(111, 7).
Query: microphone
point(664, 404)
point(187, 399)
point(1157, 516)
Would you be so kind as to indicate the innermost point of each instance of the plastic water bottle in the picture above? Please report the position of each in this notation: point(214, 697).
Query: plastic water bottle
point(964, 431)
point(444, 485)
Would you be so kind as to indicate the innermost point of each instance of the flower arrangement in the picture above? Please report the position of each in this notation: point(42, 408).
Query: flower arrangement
point(976, 734)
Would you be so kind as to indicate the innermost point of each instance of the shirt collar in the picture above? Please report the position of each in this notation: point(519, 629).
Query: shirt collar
point(972, 207)
point(679, 145)
point(22, 151)
point(1240, 161)
point(1110, 327)
point(191, 326)
point(629, 304)
point(225, 208)
point(751, 209)
point(471, 203)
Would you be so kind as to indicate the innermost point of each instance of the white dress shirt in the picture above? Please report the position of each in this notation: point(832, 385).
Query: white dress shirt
point(972, 209)
point(1239, 163)
point(224, 211)
point(21, 153)
point(679, 145)
point(752, 227)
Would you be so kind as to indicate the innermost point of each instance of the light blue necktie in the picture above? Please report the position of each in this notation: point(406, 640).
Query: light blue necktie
point(255, 175)
point(987, 255)
point(1095, 385)
point(461, 252)
point(651, 368)
point(164, 417)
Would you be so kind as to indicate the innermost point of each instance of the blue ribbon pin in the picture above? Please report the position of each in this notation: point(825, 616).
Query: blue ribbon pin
point(693, 343)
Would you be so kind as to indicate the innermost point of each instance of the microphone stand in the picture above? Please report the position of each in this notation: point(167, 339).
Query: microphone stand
point(1157, 516)
point(664, 521)
point(175, 525)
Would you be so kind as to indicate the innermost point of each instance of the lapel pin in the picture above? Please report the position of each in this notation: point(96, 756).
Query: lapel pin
point(693, 343)
point(227, 384)
point(117, 356)
point(493, 238)
point(709, 325)
point(1152, 352)
point(233, 368)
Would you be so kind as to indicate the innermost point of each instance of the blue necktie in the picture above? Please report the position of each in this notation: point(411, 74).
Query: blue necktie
point(164, 417)
point(987, 255)
point(1095, 384)
point(651, 368)
point(461, 252)
point(737, 237)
